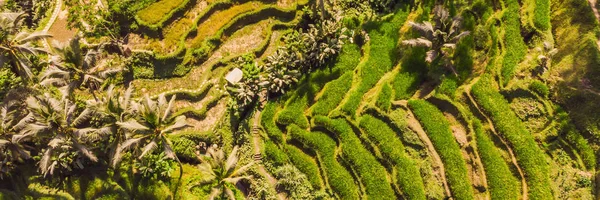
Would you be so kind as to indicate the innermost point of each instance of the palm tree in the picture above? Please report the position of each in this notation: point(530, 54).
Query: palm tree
point(59, 126)
point(222, 171)
point(11, 151)
point(150, 126)
point(441, 39)
point(114, 108)
point(16, 46)
point(73, 67)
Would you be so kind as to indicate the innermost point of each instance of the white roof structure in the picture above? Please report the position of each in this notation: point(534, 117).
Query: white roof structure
point(234, 76)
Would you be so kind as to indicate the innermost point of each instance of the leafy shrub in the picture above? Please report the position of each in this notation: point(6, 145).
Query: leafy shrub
point(339, 178)
point(539, 88)
point(155, 166)
point(384, 99)
point(296, 184)
point(408, 176)
point(439, 132)
point(370, 170)
point(305, 164)
point(515, 48)
point(184, 148)
point(381, 58)
point(502, 184)
point(528, 153)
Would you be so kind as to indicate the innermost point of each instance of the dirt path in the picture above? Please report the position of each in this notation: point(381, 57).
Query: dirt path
point(596, 13)
point(415, 126)
point(493, 129)
point(57, 8)
point(256, 142)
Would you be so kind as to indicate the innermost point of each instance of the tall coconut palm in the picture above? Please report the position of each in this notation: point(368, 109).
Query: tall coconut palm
point(113, 108)
point(441, 39)
point(11, 151)
point(222, 171)
point(57, 125)
point(72, 68)
point(16, 46)
point(150, 126)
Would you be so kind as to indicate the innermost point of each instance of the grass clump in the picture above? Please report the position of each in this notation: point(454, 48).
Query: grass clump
point(154, 13)
point(541, 15)
point(293, 113)
point(439, 132)
point(499, 177)
point(305, 164)
point(579, 142)
point(384, 99)
point(529, 156)
point(219, 19)
point(381, 58)
point(408, 177)
point(539, 88)
point(274, 154)
point(335, 90)
point(515, 48)
point(268, 123)
point(333, 95)
point(372, 173)
point(339, 178)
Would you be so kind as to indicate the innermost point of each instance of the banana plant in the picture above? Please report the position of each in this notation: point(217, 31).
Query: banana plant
point(440, 38)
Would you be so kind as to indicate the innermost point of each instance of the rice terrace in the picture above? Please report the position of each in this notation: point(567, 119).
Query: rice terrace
point(300, 99)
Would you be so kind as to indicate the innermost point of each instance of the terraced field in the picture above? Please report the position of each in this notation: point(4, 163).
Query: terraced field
point(373, 125)
point(378, 120)
point(360, 123)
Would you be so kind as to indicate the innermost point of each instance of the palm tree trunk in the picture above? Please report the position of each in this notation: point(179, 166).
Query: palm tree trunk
point(323, 12)
point(180, 176)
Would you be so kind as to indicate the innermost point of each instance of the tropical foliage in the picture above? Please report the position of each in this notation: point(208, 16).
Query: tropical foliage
point(440, 39)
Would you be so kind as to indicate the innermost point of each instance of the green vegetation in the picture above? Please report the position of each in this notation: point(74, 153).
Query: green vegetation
point(408, 176)
point(514, 47)
point(161, 10)
point(339, 179)
point(267, 121)
point(501, 182)
point(384, 99)
point(306, 164)
point(539, 88)
point(439, 132)
point(541, 17)
point(382, 57)
point(529, 155)
point(144, 99)
point(376, 184)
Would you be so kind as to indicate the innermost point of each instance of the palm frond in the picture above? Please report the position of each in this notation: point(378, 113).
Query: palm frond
point(149, 147)
point(85, 151)
point(132, 125)
point(418, 42)
point(25, 37)
point(169, 107)
point(168, 150)
point(458, 37)
point(232, 159)
point(180, 123)
point(431, 55)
